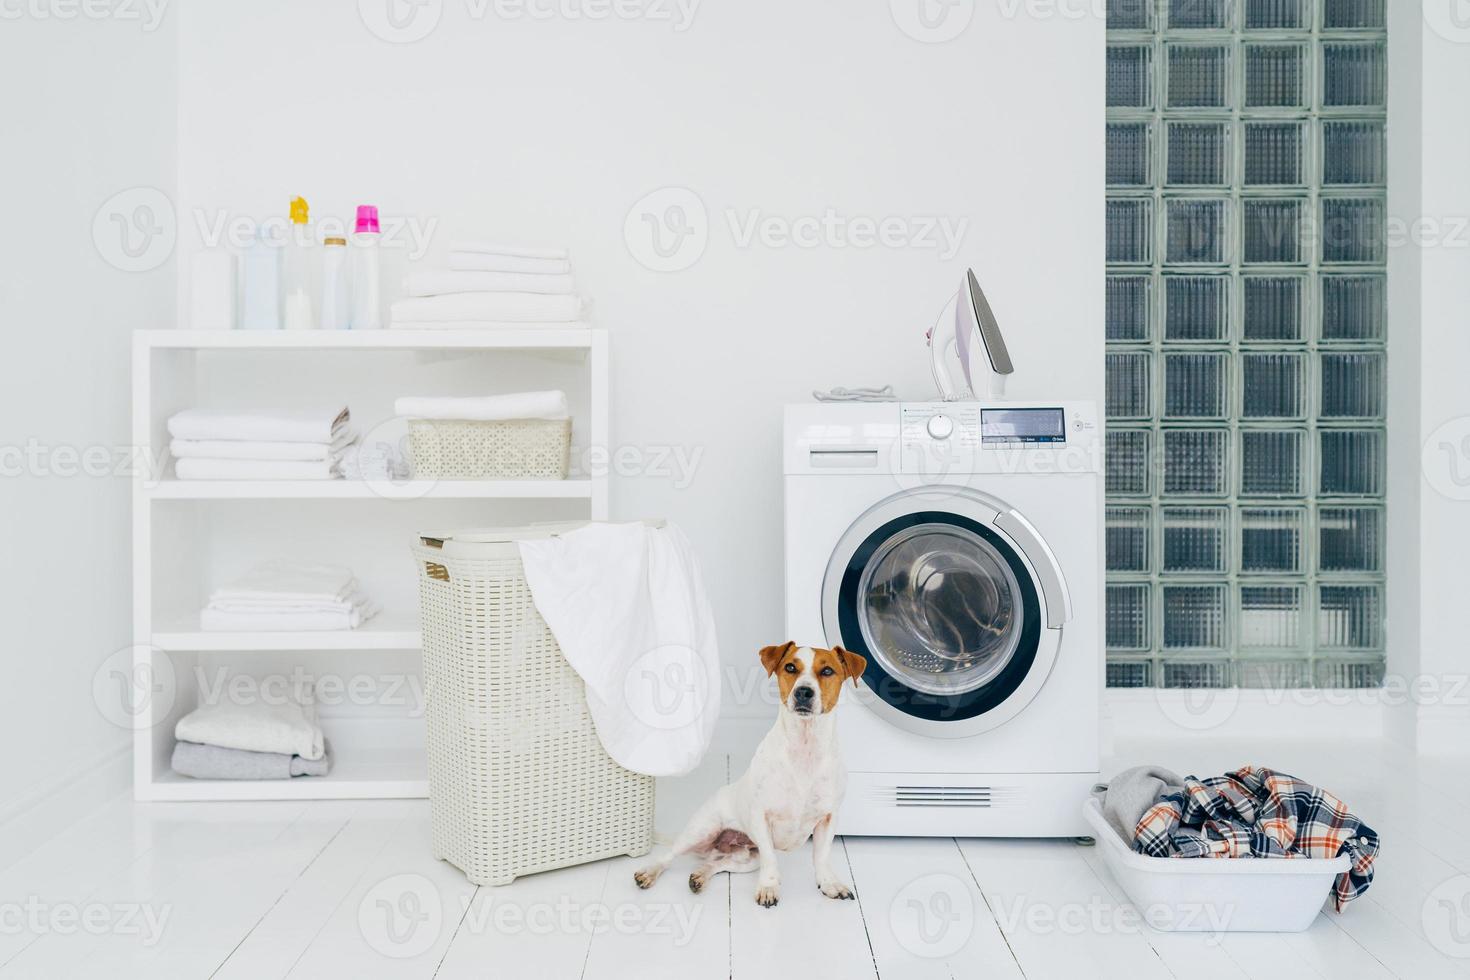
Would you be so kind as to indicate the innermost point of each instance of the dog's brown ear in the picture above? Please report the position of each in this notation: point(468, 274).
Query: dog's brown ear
point(771, 657)
point(853, 663)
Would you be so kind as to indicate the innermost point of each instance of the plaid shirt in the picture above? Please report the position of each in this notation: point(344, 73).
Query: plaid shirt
point(1259, 813)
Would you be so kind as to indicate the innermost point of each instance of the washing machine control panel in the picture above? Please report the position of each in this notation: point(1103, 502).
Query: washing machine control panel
point(944, 439)
point(951, 424)
point(970, 426)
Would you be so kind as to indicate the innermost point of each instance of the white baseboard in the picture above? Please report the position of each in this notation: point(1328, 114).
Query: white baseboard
point(1236, 713)
point(50, 806)
point(1441, 729)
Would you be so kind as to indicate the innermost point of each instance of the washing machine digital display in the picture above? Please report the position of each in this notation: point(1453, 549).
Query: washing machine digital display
point(1012, 425)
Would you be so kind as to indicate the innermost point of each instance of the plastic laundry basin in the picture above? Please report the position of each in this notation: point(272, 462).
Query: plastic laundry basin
point(1217, 894)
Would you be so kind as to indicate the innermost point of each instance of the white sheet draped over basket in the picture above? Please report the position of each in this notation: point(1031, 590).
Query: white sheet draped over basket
point(628, 608)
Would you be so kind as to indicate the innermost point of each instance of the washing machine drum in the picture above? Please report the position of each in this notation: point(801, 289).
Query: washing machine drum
point(940, 609)
point(948, 613)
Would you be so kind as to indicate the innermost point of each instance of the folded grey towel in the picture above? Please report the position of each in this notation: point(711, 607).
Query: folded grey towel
point(1127, 798)
point(213, 762)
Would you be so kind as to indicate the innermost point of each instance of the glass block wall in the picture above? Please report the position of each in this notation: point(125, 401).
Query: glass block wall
point(1246, 317)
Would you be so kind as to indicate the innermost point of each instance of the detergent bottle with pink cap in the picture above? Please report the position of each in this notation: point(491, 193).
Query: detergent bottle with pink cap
point(366, 275)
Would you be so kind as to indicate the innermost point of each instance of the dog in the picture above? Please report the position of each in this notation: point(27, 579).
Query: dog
point(790, 792)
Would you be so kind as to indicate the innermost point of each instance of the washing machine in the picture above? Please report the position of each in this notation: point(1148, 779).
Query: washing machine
point(958, 547)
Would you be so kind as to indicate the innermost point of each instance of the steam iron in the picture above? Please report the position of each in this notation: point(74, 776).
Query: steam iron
point(967, 336)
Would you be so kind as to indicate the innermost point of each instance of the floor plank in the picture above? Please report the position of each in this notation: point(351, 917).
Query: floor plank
point(203, 873)
point(398, 918)
point(71, 866)
point(284, 932)
point(807, 934)
point(533, 927)
point(1056, 915)
point(1402, 950)
point(668, 931)
point(924, 912)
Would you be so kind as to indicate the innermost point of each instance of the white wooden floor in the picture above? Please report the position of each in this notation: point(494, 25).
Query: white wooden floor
point(343, 889)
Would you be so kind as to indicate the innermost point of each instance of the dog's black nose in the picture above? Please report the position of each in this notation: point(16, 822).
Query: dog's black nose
point(804, 695)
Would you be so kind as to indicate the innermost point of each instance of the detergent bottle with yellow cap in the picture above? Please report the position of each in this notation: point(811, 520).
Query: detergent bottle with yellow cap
point(300, 312)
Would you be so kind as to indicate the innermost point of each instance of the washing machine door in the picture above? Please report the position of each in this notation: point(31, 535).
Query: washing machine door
point(956, 602)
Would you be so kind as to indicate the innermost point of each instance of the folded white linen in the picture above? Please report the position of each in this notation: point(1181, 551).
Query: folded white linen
point(305, 425)
point(279, 608)
point(289, 580)
point(222, 620)
point(256, 469)
point(485, 262)
point(485, 325)
point(626, 603)
point(443, 282)
point(293, 605)
point(252, 449)
point(490, 408)
point(519, 251)
point(507, 307)
point(288, 727)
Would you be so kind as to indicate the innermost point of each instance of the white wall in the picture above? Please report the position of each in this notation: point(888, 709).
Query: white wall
point(550, 130)
point(1441, 498)
point(1406, 28)
point(88, 113)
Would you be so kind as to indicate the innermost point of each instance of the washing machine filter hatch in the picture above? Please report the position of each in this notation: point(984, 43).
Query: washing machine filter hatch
point(941, 609)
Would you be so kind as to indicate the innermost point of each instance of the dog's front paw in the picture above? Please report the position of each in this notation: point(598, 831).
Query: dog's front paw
point(767, 895)
point(834, 889)
point(696, 882)
point(646, 877)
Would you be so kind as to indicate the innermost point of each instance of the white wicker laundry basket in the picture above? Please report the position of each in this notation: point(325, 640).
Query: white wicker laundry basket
point(513, 449)
point(518, 780)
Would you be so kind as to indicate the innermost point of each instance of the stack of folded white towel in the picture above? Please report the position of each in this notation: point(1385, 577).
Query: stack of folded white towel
point(289, 596)
point(215, 444)
point(260, 740)
point(490, 285)
point(487, 408)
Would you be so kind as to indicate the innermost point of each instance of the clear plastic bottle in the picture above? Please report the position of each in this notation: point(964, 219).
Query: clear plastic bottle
point(366, 275)
point(300, 312)
point(336, 310)
point(260, 287)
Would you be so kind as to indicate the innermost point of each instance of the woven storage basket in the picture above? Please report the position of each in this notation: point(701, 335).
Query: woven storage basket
point(515, 449)
point(518, 780)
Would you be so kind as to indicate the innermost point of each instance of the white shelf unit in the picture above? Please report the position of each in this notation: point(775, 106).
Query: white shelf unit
point(190, 535)
point(351, 490)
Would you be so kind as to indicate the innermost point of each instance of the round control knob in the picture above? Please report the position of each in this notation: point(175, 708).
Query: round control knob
point(940, 426)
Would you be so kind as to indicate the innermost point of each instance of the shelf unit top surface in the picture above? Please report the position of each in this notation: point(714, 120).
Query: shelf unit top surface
point(501, 338)
point(570, 489)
